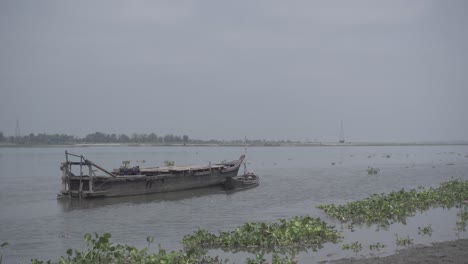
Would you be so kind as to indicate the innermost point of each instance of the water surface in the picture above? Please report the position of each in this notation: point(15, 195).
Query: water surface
point(294, 180)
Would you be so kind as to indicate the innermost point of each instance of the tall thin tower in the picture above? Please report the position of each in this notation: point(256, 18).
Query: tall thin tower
point(17, 130)
point(341, 133)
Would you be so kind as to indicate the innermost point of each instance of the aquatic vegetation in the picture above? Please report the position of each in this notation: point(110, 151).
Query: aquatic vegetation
point(384, 209)
point(372, 170)
point(275, 259)
point(403, 241)
point(355, 246)
point(299, 232)
point(427, 230)
point(377, 246)
point(259, 259)
point(169, 163)
point(100, 250)
point(463, 219)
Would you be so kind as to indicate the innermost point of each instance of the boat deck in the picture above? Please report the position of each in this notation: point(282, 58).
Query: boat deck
point(181, 168)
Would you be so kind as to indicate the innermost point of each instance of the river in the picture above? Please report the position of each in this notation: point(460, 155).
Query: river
point(293, 181)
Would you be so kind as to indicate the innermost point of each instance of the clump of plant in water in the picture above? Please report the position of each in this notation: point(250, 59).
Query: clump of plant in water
point(100, 250)
point(426, 230)
point(169, 163)
point(372, 170)
point(275, 259)
point(384, 209)
point(377, 246)
point(463, 219)
point(400, 241)
point(286, 235)
point(355, 246)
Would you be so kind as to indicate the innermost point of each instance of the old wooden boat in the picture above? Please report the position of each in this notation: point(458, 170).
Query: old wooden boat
point(241, 182)
point(133, 181)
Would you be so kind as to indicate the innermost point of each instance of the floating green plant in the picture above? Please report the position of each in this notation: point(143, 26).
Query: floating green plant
point(377, 246)
point(426, 230)
point(400, 241)
point(169, 163)
point(463, 219)
point(99, 249)
point(275, 259)
point(355, 246)
point(286, 235)
point(259, 259)
point(372, 170)
point(384, 209)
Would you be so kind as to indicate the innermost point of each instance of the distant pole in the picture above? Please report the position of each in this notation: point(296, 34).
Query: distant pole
point(17, 130)
point(342, 133)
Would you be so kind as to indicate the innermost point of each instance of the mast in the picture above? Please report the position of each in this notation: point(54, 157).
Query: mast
point(245, 154)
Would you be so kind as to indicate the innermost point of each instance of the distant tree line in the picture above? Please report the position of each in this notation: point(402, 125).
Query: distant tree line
point(99, 137)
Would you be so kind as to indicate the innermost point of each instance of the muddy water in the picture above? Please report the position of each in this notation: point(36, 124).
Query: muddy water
point(294, 180)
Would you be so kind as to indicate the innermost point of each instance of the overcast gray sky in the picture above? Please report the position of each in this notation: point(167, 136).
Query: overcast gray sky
point(391, 70)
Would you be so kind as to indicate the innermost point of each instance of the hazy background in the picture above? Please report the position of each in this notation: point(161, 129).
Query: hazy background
point(391, 70)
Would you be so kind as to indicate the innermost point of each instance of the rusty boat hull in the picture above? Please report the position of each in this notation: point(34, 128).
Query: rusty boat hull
point(142, 181)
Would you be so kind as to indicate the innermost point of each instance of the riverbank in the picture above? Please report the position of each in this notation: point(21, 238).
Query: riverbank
point(440, 252)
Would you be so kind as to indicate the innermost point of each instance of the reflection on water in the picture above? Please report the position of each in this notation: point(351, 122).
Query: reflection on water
point(68, 204)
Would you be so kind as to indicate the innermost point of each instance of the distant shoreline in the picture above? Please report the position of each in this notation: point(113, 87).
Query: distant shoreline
point(327, 144)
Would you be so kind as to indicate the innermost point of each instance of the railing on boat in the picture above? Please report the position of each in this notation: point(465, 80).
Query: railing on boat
point(83, 163)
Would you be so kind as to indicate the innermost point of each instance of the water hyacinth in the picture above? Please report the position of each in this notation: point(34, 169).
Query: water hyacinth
point(275, 259)
point(372, 170)
point(298, 232)
point(101, 250)
point(355, 246)
point(403, 241)
point(377, 246)
point(427, 230)
point(462, 218)
point(384, 209)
